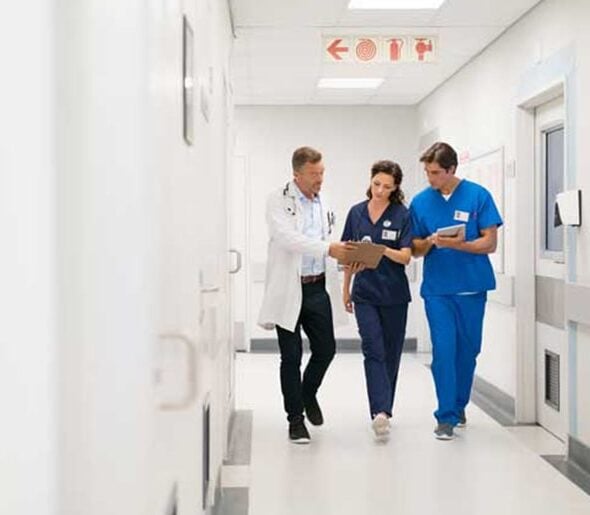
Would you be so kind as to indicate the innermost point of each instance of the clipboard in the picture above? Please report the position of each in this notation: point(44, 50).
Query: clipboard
point(365, 252)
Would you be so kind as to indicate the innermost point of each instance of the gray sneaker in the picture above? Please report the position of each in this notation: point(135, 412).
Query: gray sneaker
point(462, 419)
point(444, 432)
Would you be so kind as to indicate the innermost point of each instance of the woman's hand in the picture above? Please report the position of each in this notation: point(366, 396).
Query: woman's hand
point(347, 302)
point(356, 267)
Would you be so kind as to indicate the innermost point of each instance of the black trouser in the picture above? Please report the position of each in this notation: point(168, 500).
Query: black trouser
point(316, 319)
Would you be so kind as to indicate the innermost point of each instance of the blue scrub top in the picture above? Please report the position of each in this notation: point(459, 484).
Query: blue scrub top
point(449, 271)
point(387, 284)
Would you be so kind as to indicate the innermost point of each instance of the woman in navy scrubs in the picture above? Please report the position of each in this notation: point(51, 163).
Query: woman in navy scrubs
point(381, 296)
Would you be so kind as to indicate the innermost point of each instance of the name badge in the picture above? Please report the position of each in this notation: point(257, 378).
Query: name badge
point(389, 235)
point(461, 216)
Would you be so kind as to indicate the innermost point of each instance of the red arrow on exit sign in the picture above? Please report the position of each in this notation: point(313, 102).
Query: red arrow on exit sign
point(334, 50)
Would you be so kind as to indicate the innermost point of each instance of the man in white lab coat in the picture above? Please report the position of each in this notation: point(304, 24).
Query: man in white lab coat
point(301, 280)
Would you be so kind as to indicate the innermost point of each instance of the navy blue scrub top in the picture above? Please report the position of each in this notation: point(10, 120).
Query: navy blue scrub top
point(388, 283)
point(449, 271)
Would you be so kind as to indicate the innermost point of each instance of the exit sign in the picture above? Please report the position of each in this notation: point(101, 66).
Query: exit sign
point(380, 49)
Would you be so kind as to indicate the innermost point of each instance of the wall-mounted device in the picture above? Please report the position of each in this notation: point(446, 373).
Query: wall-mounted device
point(568, 208)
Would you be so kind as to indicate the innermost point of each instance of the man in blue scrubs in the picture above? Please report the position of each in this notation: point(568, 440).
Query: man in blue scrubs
point(456, 278)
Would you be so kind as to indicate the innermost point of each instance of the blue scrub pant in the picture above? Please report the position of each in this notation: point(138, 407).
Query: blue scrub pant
point(456, 323)
point(382, 330)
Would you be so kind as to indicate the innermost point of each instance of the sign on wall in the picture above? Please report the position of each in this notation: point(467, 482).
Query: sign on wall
point(380, 49)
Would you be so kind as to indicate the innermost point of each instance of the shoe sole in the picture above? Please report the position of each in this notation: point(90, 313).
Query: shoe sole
point(444, 437)
point(301, 441)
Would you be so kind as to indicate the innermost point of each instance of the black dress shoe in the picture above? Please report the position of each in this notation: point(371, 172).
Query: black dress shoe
point(298, 432)
point(313, 411)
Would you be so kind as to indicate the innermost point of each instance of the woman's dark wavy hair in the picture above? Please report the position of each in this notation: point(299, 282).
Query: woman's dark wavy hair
point(390, 168)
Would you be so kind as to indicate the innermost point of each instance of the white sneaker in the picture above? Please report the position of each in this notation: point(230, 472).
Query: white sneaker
point(380, 424)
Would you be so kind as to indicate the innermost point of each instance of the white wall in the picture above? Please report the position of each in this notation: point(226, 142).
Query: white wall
point(351, 139)
point(476, 111)
point(135, 234)
point(193, 235)
point(106, 258)
point(27, 296)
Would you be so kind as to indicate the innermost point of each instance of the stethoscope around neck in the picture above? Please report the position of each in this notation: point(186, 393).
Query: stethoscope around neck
point(291, 209)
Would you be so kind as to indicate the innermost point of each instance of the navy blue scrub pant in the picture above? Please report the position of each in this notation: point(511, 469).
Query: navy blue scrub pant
point(382, 330)
point(456, 323)
point(316, 319)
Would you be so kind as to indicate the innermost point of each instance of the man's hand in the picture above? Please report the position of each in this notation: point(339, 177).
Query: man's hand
point(451, 242)
point(339, 249)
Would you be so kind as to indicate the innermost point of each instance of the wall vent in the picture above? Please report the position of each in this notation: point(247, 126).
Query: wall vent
point(552, 379)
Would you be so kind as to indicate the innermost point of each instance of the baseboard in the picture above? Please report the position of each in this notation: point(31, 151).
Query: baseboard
point(579, 454)
point(235, 500)
point(576, 465)
point(240, 438)
point(270, 345)
point(493, 401)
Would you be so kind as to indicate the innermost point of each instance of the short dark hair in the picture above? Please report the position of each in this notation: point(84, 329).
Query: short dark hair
point(441, 153)
point(390, 168)
point(304, 155)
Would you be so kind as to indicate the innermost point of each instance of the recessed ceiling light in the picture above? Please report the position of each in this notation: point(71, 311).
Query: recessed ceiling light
point(360, 83)
point(395, 4)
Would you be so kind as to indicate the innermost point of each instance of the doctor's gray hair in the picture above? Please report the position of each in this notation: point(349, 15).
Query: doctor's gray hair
point(304, 155)
point(394, 170)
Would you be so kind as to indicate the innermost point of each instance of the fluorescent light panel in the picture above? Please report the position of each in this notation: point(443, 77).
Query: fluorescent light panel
point(395, 4)
point(356, 83)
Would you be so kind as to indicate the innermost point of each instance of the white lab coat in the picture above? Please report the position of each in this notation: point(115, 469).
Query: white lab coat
point(282, 300)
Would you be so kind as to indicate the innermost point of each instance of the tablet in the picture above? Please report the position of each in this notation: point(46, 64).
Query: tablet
point(451, 230)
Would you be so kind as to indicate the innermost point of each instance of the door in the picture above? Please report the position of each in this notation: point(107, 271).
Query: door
point(550, 270)
point(238, 231)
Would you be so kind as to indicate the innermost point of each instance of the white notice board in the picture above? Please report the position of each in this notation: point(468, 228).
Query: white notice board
point(488, 170)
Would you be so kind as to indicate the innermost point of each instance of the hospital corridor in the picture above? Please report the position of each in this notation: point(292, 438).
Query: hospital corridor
point(314, 257)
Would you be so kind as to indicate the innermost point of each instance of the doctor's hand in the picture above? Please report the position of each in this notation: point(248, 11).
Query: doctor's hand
point(339, 249)
point(347, 302)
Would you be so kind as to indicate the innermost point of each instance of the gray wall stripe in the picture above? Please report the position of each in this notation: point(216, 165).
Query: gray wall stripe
point(270, 345)
point(549, 301)
point(577, 300)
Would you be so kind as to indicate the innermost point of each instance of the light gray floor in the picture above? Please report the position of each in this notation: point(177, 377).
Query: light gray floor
point(488, 469)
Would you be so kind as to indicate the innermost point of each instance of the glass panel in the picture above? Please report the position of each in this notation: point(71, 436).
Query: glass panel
point(554, 162)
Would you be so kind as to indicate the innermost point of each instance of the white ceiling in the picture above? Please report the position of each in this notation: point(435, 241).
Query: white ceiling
point(278, 53)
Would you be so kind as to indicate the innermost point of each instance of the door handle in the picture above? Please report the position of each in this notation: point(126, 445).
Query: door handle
point(210, 289)
point(191, 390)
point(238, 262)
